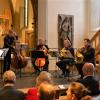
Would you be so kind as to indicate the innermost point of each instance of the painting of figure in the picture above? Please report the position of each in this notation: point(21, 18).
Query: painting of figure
point(65, 29)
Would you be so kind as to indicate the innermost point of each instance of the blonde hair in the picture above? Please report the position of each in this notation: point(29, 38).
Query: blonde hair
point(9, 77)
point(79, 90)
point(87, 98)
point(46, 91)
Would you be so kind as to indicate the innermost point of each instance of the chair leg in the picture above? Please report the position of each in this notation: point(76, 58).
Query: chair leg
point(20, 73)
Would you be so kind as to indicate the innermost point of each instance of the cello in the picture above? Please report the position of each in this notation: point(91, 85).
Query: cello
point(40, 62)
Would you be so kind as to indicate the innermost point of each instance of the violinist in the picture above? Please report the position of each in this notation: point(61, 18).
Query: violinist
point(66, 58)
point(88, 53)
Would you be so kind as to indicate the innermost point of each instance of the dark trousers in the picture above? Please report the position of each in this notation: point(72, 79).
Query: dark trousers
point(79, 68)
point(63, 63)
point(7, 61)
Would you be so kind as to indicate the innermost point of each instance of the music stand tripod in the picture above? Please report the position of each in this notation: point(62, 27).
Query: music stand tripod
point(38, 54)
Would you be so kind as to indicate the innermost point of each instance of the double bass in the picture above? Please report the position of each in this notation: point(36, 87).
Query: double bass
point(18, 60)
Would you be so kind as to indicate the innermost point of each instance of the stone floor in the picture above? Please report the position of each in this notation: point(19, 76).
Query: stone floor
point(27, 79)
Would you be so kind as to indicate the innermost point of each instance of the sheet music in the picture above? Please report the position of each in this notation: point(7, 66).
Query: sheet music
point(69, 55)
point(1, 52)
point(5, 50)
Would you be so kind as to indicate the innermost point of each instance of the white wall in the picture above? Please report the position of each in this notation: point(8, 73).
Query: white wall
point(68, 7)
point(42, 18)
point(51, 9)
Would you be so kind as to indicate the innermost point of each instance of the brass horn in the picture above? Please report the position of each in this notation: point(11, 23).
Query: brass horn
point(79, 57)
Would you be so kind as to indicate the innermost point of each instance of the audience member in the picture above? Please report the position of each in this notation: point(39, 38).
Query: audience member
point(46, 91)
point(77, 91)
point(44, 76)
point(8, 92)
point(88, 79)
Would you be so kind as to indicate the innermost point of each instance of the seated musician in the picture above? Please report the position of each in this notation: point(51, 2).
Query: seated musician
point(88, 53)
point(66, 57)
point(42, 47)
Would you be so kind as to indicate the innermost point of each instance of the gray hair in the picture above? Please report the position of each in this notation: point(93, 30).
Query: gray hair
point(44, 77)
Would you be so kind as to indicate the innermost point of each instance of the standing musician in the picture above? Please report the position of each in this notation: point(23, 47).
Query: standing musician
point(42, 47)
point(66, 57)
point(9, 42)
point(88, 53)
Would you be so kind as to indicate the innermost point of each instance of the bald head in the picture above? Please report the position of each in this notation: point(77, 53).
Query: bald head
point(9, 77)
point(88, 69)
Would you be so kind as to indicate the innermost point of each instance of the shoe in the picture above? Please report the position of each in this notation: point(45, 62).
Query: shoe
point(36, 72)
point(66, 75)
point(62, 75)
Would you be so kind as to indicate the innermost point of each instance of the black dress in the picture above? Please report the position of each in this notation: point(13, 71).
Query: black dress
point(8, 42)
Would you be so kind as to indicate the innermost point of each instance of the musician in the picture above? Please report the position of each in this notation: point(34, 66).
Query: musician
point(9, 41)
point(42, 47)
point(88, 53)
point(67, 58)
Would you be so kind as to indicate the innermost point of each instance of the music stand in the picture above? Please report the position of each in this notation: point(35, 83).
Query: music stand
point(3, 52)
point(37, 54)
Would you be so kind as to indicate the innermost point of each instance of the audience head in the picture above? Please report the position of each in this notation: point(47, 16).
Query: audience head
point(44, 77)
point(87, 98)
point(77, 91)
point(46, 91)
point(9, 77)
point(88, 69)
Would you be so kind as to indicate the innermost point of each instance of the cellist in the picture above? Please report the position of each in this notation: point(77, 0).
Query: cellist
point(44, 61)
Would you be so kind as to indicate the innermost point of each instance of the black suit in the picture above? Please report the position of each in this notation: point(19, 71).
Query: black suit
point(89, 56)
point(91, 84)
point(10, 93)
point(8, 42)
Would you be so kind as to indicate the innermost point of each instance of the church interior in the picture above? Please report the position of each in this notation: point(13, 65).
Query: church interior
point(52, 22)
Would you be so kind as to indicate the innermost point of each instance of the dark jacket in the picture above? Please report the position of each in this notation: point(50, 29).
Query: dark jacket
point(89, 55)
point(91, 84)
point(10, 93)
